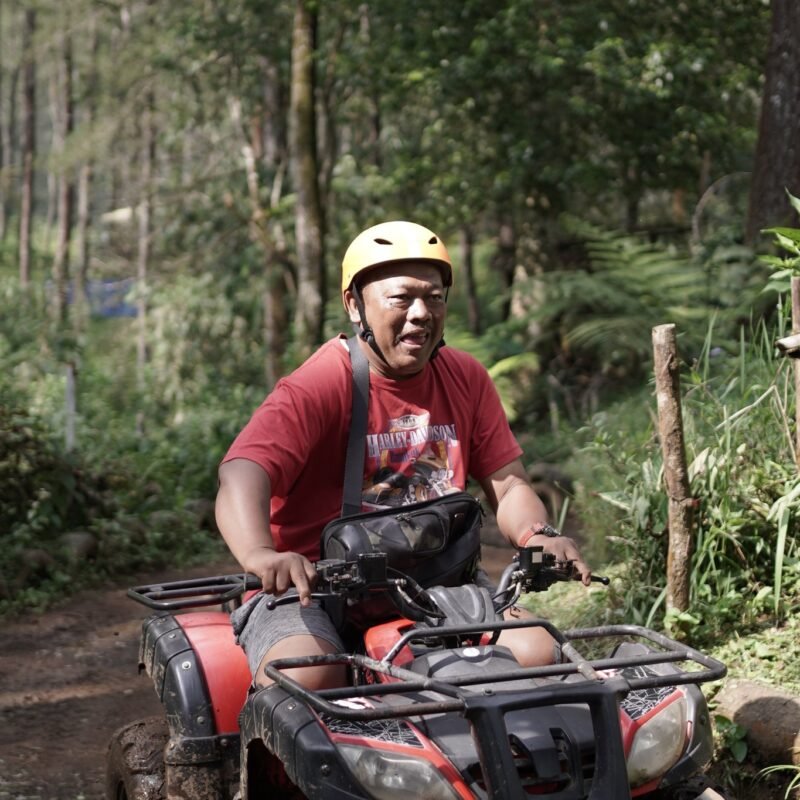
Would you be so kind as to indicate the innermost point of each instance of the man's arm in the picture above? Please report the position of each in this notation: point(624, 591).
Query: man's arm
point(518, 507)
point(242, 511)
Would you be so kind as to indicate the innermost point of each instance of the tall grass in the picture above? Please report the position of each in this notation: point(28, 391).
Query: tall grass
point(737, 406)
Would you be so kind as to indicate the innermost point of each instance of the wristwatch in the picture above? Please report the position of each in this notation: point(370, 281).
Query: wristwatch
point(538, 529)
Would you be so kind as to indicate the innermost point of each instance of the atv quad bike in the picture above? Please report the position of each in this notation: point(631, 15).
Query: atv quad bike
point(436, 708)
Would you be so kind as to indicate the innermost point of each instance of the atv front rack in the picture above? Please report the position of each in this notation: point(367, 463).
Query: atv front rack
point(484, 701)
point(406, 681)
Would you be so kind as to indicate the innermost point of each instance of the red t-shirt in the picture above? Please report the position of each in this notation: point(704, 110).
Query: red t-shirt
point(425, 435)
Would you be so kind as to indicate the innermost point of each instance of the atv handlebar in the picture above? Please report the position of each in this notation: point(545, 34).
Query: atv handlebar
point(369, 574)
point(536, 571)
point(532, 570)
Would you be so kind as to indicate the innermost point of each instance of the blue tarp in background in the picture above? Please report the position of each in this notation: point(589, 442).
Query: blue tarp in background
point(108, 298)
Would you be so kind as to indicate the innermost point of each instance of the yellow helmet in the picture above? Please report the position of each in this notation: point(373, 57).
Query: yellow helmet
point(395, 241)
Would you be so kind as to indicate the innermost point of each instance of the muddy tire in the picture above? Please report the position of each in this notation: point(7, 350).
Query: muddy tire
point(135, 761)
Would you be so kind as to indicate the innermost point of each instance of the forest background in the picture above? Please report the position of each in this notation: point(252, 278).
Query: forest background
point(178, 182)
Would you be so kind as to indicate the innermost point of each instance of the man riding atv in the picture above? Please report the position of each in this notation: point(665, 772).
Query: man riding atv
point(447, 692)
point(281, 481)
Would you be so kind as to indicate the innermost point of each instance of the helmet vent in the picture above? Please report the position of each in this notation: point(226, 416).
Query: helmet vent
point(382, 241)
point(432, 240)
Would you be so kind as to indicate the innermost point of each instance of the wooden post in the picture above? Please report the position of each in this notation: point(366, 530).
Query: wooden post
point(796, 367)
point(676, 473)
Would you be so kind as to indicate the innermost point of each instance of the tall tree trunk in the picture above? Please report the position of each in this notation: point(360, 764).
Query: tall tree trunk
point(85, 186)
point(81, 272)
point(326, 126)
point(468, 260)
point(265, 232)
point(275, 321)
point(276, 263)
point(309, 310)
point(504, 262)
point(273, 128)
point(373, 91)
point(28, 146)
point(147, 159)
point(66, 189)
point(8, 136)
point(777, 157)
point(3, 140)
point(56, 146)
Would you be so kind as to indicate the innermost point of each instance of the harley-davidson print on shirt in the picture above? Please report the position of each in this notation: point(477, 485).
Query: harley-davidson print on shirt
point(411, 462)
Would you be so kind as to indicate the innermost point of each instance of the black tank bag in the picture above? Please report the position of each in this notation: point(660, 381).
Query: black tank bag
point(435, 542)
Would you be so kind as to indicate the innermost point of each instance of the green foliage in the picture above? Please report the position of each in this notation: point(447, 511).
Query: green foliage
point(787, 265)
point(794, 772)
point(605, 309)
point(64, 522)
point(125, 500)
point(199, 341)
point(594, 314)
point(732, 737)
point(743, 477)
point(768, 652)
point(563, 107)
point(514, 377)
point(42, 490)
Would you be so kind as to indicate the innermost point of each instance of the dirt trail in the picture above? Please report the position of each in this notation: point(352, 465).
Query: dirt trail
point(68, 680)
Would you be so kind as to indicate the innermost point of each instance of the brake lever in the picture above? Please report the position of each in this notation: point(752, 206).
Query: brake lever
point(291, 596)
point(576, 576)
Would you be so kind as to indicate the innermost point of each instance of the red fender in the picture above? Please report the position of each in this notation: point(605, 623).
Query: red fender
point(223, 662)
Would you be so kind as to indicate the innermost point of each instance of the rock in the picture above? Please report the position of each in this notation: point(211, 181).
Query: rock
point(36, 565)
point(37, 559)
point(80, 545)
point(165, 521)
point(771, 717)
point(203, 510)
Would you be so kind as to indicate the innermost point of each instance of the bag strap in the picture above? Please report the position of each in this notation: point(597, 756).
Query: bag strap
point(354, 462)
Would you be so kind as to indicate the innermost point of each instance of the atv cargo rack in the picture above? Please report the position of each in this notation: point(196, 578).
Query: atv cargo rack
point(405, 681)
point(194, 593)
point(484, 700)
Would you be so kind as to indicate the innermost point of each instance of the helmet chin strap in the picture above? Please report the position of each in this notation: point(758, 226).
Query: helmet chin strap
point(364, 330)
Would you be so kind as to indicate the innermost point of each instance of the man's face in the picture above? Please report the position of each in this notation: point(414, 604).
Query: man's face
point(405, 307)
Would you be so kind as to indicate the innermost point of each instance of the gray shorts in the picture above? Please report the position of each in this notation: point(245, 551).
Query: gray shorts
point(258, 629)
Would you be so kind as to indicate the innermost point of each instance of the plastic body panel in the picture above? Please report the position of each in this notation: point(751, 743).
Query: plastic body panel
point(223, 664)
point(294, 734)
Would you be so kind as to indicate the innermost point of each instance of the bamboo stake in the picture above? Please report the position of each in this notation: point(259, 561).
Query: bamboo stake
point(676, 473)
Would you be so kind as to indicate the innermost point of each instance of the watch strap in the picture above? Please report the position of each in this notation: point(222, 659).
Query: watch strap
point(538, 529)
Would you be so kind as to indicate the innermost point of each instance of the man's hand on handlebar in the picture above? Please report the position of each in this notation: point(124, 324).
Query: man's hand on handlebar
point(565, 550)
point(281, 571)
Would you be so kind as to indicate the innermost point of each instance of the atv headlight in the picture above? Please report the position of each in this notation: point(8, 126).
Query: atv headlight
point(387, 775)
point(658, 743)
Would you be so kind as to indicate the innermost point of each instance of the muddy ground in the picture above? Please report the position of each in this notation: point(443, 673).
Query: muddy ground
point(68, 679)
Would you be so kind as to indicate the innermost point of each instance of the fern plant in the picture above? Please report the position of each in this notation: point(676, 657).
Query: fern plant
point(605, 309)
